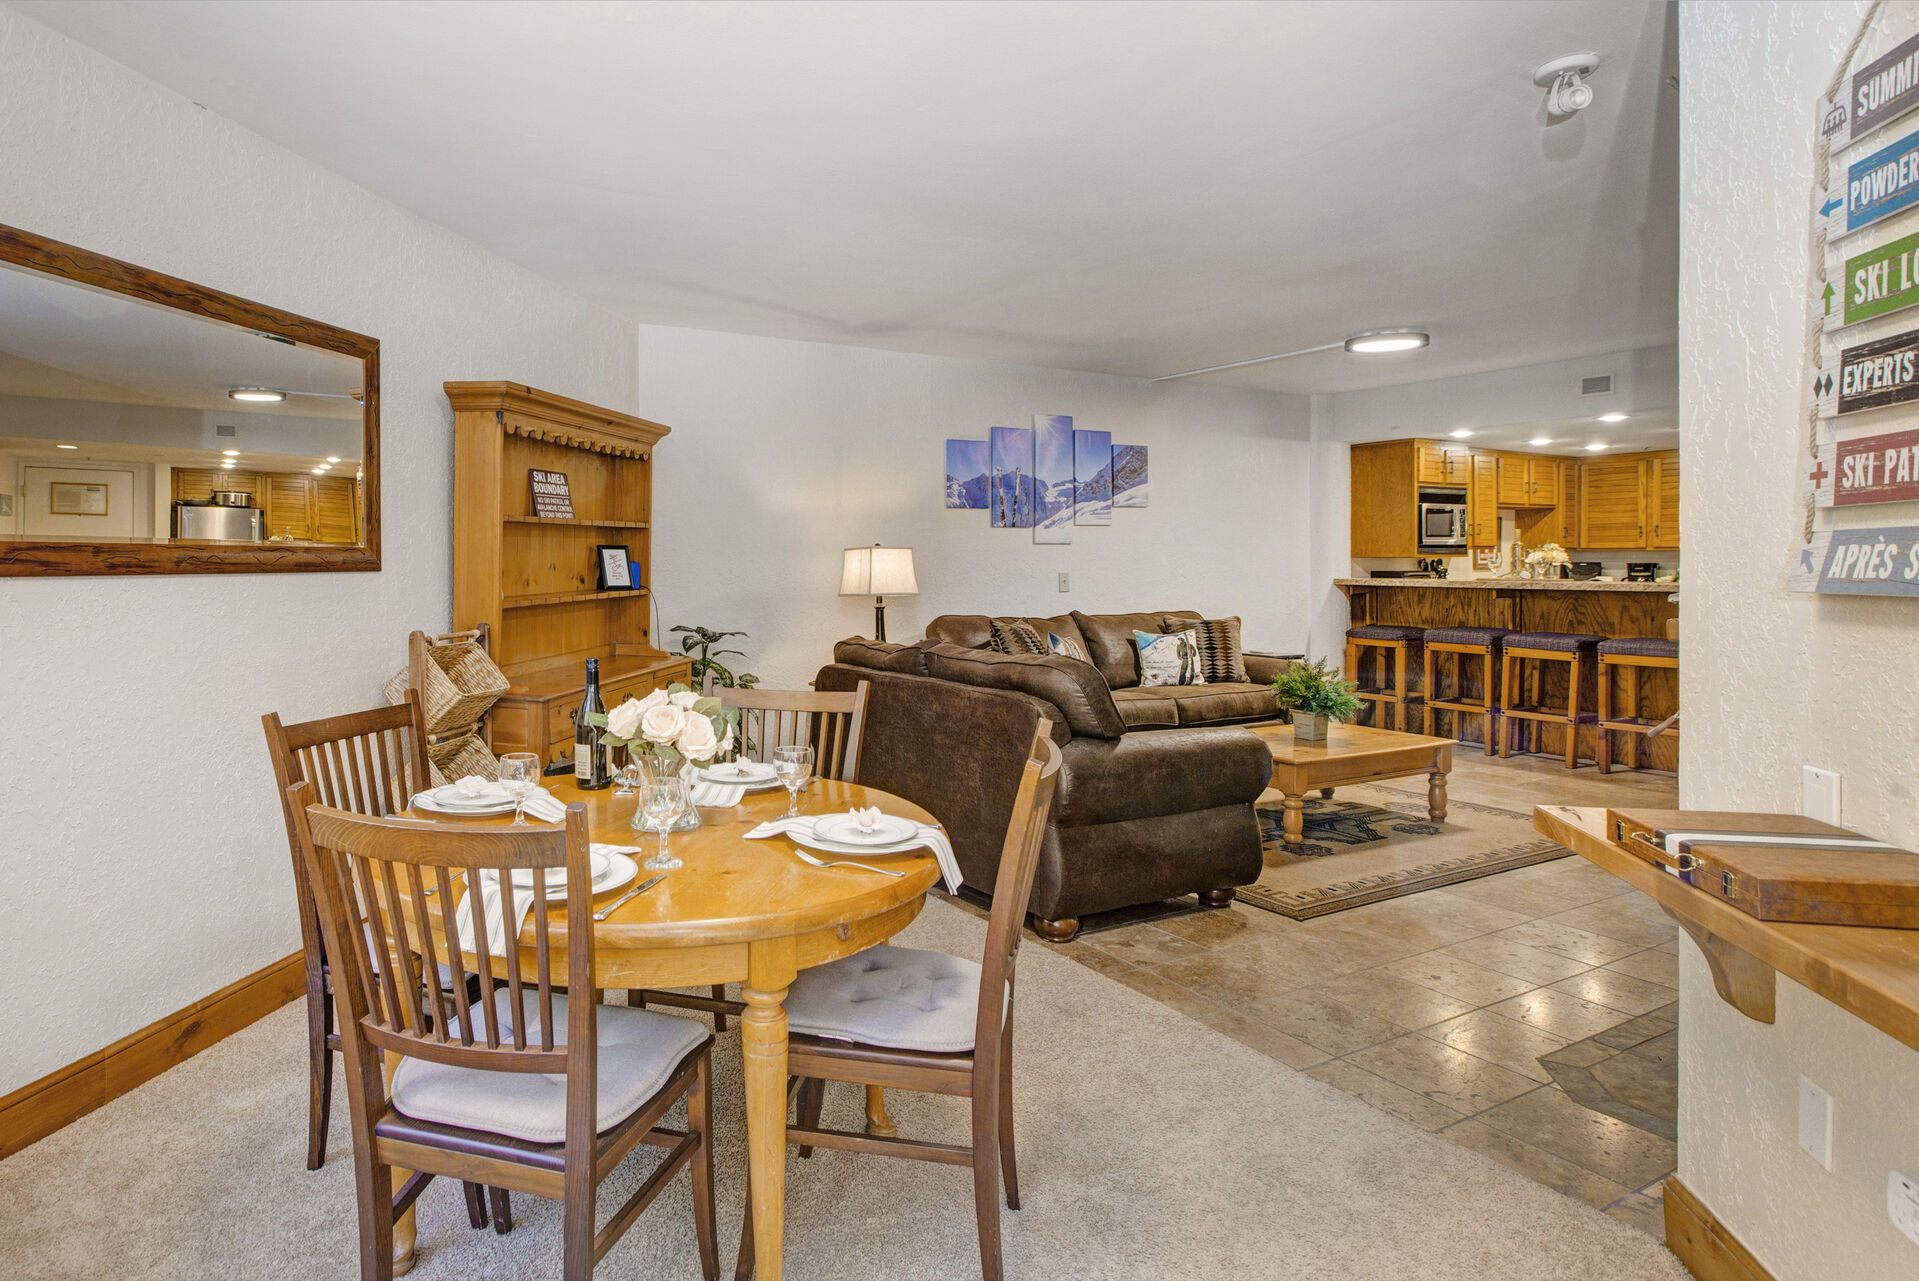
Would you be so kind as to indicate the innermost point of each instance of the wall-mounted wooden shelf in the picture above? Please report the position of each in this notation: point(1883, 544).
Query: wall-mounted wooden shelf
point(559, 598)
point(585, 524)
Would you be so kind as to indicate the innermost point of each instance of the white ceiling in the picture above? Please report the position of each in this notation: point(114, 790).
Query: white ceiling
point(1131, 188)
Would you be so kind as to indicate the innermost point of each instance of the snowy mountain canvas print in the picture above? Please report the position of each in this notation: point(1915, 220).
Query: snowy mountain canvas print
point(1009, 488)
point(1052, 478)
point(966, 467)
point(1093, 464)
point(1129, 475)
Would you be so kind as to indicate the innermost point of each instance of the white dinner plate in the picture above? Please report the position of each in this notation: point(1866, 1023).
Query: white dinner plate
point(755, 777)
point(826, 846)
point(556, 876)
point(842, 829)
point(430, 801)
point(451, 795)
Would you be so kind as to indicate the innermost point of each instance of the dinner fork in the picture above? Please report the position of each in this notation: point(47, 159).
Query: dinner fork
point(808, 858)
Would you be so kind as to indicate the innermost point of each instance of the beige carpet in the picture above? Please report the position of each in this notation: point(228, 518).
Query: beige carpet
point(1151, 1147)
point(1375, 841)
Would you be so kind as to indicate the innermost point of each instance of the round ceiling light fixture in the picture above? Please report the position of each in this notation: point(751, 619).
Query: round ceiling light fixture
point(264, 395)
point(1612, 418)
point(1595, 447)
point(1540, 440)
point(66, 446)
point(1379, 342)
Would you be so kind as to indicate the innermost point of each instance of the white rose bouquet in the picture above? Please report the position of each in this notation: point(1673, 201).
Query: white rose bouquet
point(672, 724)
point(1544, 560)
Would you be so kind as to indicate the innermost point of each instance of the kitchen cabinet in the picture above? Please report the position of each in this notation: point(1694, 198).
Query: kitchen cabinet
point(1662, 500)
point(1385, 498)
point(1612, 502)
point(1528, 481)
point(312, 509)
point(1442, 464)
point(1482, 502)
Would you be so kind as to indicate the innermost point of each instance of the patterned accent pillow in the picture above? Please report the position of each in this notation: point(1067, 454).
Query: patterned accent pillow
point(1220, 658)
point(1169, 659)
point(1014, 637)
point(1064, 646)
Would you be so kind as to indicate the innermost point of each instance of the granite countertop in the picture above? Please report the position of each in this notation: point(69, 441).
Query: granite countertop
point(1510, 584)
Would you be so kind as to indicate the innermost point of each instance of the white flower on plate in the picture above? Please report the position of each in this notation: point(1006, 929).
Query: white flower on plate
point(684, 699)
point(696, 741)
point(867, 819)
point(662, 722)
point(624, 720)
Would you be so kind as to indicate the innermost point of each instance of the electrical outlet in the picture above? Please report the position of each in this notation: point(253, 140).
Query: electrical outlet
point(1064, 583)
point(1819, 794)
point(1902, 1203)
point(1815, 1122)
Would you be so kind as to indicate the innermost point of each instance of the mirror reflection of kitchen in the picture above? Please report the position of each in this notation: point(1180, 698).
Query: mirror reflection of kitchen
point(123, 421)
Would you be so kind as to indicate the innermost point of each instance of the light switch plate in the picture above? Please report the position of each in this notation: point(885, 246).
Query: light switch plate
point(1065, 584)
point(1902, 1203)
point(1815, 1122)
point(1819, 794)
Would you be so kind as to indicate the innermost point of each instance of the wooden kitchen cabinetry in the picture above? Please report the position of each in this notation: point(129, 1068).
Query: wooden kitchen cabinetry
point(1528, 481)
point(1482, 502)
point(1437, 463)
point(1385, 489)
point(534, 581)
point(298, 507)
point(1613, 503)
point(1662, 500)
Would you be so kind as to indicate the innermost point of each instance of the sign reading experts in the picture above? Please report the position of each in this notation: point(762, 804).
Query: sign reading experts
point(1870, 376)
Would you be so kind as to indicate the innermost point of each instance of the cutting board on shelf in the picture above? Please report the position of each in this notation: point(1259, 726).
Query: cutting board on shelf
point(1777, 867)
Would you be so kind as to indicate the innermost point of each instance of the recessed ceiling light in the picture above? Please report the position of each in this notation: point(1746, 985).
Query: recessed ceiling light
point(1540, 440)
point(1461, 434)
point(228, 463)
point(263, 394)
point(317, 471)
point(1378, 342)
point(230, 453)
point(1595, 447)
point(66, 446)
point(332, 458)
point(1612, 418)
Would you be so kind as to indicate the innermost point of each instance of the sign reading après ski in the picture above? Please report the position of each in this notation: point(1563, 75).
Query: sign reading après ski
point(1871, 375)
point(1882, 90)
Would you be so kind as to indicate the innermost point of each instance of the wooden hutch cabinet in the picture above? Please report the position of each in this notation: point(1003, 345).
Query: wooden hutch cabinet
point(535, 580)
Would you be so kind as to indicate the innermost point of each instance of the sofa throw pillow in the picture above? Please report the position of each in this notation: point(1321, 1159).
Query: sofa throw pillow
point(1169, 659)
point(1220, 658)
point(1013, 637)
point(1065, 647)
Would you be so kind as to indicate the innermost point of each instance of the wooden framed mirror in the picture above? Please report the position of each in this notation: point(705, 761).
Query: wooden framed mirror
point(149, 425)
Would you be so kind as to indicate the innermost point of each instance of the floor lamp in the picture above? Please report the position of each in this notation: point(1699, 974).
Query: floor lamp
point(878, 572)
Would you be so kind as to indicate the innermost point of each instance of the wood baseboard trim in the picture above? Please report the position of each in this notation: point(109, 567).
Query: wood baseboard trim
point(62, 1097)
point(1702, 1243)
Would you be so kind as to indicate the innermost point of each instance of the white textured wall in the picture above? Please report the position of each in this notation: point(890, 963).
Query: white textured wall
point(783, 453)
point(142, 855)
point(1775, 681)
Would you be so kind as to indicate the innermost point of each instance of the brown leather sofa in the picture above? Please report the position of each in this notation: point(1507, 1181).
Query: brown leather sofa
point(1156, 785)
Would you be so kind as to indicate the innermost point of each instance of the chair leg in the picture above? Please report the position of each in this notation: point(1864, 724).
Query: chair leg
point(1352, 664)
point(376, 1217)
point(1604, 758)
point(1427, 721)
point(812, 1098)
point(719, 1019)
point(475, 1204)
point(986, 1186)
point(1506, 700)
point(1572, 712)
point(636, 998)
point(1009, 1170)
point(699, 1120)
point(502, 1210)
point(1401, 692)
point(1633, 710)
point(319, 1075)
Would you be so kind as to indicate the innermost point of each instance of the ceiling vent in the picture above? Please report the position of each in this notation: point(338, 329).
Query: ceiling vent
point(1598, 385)
point(223, 429)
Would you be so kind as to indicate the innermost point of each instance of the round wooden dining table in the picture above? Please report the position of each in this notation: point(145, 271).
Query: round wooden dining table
point(740, 911)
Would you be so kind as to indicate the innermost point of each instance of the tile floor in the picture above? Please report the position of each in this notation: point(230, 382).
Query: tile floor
point(1439, 1007)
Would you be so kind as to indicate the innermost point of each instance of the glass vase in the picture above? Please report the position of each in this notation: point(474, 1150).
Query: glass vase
point(689, 818)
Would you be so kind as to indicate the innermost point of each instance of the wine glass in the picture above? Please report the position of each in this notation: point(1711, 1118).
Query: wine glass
point(632, 774)
point(517, 772)
point(663, 801)
point(794, 765)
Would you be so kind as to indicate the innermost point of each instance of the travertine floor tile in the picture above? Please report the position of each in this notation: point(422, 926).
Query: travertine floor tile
point(1521, 960)
point(1497, 1039)
point(1655, 965)
point(1268, 1040)
point(1617, 991)
point(1142, 944)
point(1537, 1164)
point(1385, 1095)
point(1463, 1083)
point(1559, 1013)
point(1579, 945)
point(1315, 1017)
point(1474, 984)
point(1408, 1004)
point(1645, 1210)
point(1620, 918)
point(1609, 1147)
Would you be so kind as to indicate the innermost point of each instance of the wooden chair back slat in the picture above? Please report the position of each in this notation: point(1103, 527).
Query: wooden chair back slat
point(375, 856)
point(832, 723)
point(1013, 890)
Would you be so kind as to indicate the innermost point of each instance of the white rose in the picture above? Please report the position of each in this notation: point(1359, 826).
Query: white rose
point(696, 741)
point(662, 723)
point(653, 699)
point(684, 699)
point(624, 720)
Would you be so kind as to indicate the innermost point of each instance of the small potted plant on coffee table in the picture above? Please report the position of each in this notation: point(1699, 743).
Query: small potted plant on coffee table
point(1315, 694)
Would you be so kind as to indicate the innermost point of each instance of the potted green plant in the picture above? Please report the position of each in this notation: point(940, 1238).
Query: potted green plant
point(1315, 694)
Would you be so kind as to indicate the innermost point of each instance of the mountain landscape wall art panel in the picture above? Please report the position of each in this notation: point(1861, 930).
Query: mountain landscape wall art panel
point(966, 467)
point(1129, 475)
point(1009, 488)
point(1093, 465)
point(1052, 478)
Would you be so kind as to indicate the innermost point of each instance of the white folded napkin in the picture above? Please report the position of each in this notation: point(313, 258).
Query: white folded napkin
point(867, 819)
point(718, 796)
point(496, 935)
point(927, 836)
point(546, 807)
point(475, 787)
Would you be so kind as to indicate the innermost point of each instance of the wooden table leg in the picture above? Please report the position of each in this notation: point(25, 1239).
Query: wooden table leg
point(1436, 795)
point(1294, 825)
point(771, 967)
point(404, 1230)
point(878, 1123)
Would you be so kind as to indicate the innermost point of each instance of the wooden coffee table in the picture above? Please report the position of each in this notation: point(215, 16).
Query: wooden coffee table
point(1352, 754)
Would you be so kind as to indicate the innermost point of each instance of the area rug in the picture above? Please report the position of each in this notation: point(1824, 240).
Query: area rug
point(1150, 1146)
point(1374, 842)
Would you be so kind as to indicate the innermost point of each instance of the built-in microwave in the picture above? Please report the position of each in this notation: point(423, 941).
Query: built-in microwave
point(1442, 525)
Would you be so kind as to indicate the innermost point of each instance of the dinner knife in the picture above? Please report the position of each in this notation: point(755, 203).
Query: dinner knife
point(635, 892)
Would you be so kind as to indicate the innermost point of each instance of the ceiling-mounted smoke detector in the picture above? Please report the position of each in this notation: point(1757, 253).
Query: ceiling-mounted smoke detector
point(1564, 80)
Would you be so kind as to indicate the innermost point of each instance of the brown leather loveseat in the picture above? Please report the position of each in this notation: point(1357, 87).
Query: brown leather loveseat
point(1156, 785)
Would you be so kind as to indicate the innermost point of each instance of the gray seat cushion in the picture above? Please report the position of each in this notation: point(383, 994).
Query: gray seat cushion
point(1466, 635)
point(638, 1051)
point(1641, 647)
point(1144, 708)
point(1385, 632)
point(899, 997)
point(1564, 642)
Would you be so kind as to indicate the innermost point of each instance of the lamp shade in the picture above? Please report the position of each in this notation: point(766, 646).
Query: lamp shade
point(878, 571)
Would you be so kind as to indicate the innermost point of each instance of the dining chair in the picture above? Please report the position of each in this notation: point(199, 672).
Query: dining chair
point(832, 723)
point(367, 762)
point(909, 1019)
point(520, 1089)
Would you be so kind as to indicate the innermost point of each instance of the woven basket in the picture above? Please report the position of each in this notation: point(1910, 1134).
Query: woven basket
point(462, 684)
point(458, 757)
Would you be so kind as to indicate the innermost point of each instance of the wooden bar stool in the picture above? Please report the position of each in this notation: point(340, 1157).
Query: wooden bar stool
point(1579, 652)
point(1630, 654)
point(1462, 643)
point(1403, 645)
